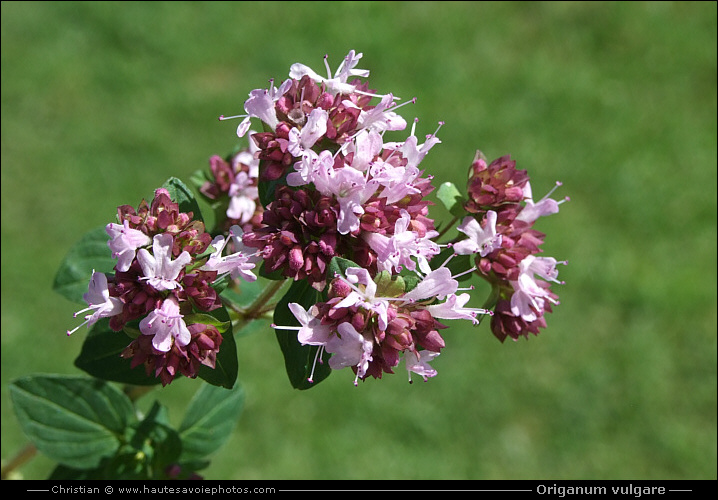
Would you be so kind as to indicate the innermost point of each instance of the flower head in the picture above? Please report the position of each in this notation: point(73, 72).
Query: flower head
point(495, 185)
point(368, 323)
point(202, 349)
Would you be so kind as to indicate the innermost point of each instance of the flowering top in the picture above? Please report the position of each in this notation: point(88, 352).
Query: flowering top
point(232, 189)
point(500, 232)
point(370, 324)
point(347, 192)
point(163, 276)
point(321, 197)
point(336, 188)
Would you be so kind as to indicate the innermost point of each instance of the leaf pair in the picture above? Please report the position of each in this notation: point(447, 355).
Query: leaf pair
point(90, 427)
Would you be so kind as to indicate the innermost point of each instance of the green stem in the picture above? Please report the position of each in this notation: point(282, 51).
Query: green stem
point(447, 227)
point(255, 309)
point(258, 308)
point(24, 455)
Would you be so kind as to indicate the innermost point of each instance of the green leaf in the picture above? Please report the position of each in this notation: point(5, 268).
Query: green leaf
point(88, 254)
point(410, 279)
point(100, 357)
point(254, 326)
point(209, 420)
point(299, 360)
point(339, 266)
point(182, 195)
point(199, 177)
point(149, 447)
point(450, 196)
point(226, 366)
point(208, 319)
point(76, 421)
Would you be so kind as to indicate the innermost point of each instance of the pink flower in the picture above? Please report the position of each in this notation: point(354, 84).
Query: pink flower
point(238, 264)
point(260, 105)
point(98, 299)
point(545, 206)
point(366, 146)
point(160, 270)
point(544, 267)
point(480, 240)
point(243, 194)
point(351, 189)
point(125, 241)
point(337, 84)
point(414, 153)
point(398, 181)
point(529, 297)
point(312, 332)
point(418, 362)
point(379, 118)
point(438, 283)
point(453, 308)
point(166, 326)
point(309, 166)
point(315, 127)
point(395, 252)
point(365, 296)
point(350, 348)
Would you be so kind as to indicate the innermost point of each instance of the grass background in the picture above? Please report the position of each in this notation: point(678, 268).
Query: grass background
point(101, 102)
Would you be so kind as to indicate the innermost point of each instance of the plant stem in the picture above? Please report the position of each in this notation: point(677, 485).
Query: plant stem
point(447, 227)
point(24, 455)
point(258, 308)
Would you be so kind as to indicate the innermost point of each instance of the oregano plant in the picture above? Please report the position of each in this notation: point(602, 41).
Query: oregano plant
point(321, 231)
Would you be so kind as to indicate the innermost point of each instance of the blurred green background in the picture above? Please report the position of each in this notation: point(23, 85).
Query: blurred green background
point(102, 102)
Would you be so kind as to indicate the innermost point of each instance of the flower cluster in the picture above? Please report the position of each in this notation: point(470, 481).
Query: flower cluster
point(322, 196)
point(339, 189)
point(162, 283)
point(372, 323)
point(232, 190)
point(500, 232)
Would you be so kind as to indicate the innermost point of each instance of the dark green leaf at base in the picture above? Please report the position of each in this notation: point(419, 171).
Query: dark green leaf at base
point(76, 421)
